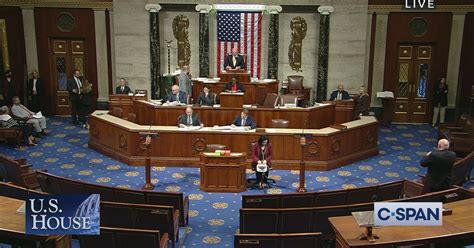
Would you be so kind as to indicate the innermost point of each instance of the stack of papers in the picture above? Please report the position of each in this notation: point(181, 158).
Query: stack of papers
point(385, 94)
point(191, 128)
point(38, 115)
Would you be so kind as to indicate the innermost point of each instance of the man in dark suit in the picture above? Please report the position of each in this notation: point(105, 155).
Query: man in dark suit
point(189, 119)
point(35, 91)
point(234, 86)
point(245, 120)
point(339, 94)
point(9, 87)
point(122, 88)
point(177, 95)
point(440, 165)
point(74, 88)
point(234, 60)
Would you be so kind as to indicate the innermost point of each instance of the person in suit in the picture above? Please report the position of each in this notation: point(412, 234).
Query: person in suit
point(440, 101)
point(234, 60)
point(35, 91)
point(20, 111)
point(74, 86)
point(177, 95)
point(244, 120)
point(234, 86)
point(6, 121)
point(440, 165)
point(206, 97)
point(262, 154)
point(10, 88)
point(339, 94)
point(184, 80)
point(362, 103)
point(86, 103)
point(189, 118)
point(122, 88)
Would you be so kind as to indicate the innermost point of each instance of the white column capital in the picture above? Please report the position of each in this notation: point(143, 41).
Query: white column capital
point(325, 10)
point(273, 9)
point(153, 7)
point(203, 8)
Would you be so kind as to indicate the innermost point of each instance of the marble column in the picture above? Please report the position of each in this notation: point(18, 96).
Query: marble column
point(30, 38)
point(323, 56)
point(101, 55)
point(454, 57)
point(155, 70)
point(273, 32)
point(380, 44)
point(203, 39)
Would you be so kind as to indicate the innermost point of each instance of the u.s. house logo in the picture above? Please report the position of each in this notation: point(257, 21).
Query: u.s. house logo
point(63, 214)
point(408, 213)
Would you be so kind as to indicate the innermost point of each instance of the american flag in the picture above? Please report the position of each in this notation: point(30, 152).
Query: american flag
point(242, 30)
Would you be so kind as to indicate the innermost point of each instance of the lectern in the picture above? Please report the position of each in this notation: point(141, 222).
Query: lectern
point(145, 142)
point(232, 100)
point(220, 173)
point(240, 74)
point(302, 181)
point(366, 219)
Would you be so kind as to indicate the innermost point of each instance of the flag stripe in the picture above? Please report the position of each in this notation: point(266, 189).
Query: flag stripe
point(219, 56)
point(244, 40)
point(259, 45)
point(252, 52)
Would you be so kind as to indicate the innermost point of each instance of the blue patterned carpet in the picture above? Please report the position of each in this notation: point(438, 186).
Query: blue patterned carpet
point(214, 217)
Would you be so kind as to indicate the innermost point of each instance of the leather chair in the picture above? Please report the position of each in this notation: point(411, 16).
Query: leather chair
point(290, 98)
point(271, 100)
point(132, 117)
point(295, 84)
point(117, 112)
point(13, 134)
point(280, 123)
point(214, 147)
point(145, 92)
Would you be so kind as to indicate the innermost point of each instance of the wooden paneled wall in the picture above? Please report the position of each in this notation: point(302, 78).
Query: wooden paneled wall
point(466, 72)
point(16, 44)
point(46, 29)
point(438, 35)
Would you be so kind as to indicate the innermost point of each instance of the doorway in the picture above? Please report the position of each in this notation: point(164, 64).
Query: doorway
point(414, 82)
point(66, 56)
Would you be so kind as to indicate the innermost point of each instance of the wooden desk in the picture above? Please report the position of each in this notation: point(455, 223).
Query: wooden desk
point(124, 101)
point(458, 226)
point(241, 75)
point(232, 100)
point(313, 118)
point(222, 173)
point(12, 228)
point(255, 93)
point(328, 149)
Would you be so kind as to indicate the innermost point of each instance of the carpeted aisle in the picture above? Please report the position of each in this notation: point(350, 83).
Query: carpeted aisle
point(214, 217)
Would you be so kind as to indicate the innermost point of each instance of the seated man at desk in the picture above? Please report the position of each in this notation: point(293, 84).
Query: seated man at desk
point(189, 119)
point(206, 97)
point(339, 94)
point(234, 86)
point(234, 60)
point(122, 88)
point(177, 95)
point(244, 120)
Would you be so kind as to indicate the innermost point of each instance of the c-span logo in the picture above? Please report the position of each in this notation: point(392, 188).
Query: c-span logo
point(63, 214)
point(408, 213)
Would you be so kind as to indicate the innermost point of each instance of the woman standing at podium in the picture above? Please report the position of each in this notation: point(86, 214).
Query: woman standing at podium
point(262, 154)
